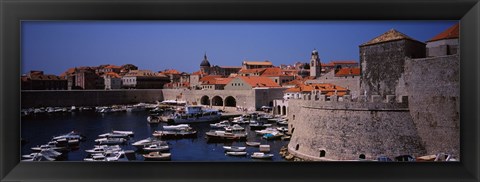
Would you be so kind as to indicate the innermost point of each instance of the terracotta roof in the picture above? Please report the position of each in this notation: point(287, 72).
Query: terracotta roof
point(171, 71)
point(326, 88)
point(218, 81)
point(45, 77)
point(256, 70)
point(294, 82)
point(209, 78)
point(263, 63)
point(259, 81)
point(450, 33)
point(348, 72)
point(144, 73)
point(112, 75)
point(113, 66)
point(388, 36)
point(199, 73)
point(273, 72)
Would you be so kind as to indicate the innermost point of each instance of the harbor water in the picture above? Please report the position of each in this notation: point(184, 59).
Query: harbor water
point(39, 129)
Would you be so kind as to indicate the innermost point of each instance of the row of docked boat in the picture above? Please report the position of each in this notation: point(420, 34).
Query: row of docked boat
point(157, 149)
point(56, 148)
point(241, 151)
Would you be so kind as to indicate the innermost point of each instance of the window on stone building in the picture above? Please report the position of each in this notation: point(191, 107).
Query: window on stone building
point(293, 117)
point(298, 146)
point(361, 156)
point(322, 153)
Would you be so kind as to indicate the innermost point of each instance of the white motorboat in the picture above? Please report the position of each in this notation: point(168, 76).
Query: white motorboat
point(136, 107)
point(114, 135)
point(147, 142)
point(221, 124)
point(153, 119)
point(157, 156)
point(253, 144)
point(69, 136)
point(261, 155)
point(156, 148)
point(235, 127)
point(273, 135)
point(236, 153)
point(104, 148)
point(234, 148)
point(265, 131)
point(110, 156)
point(129, 133)
point(110, 141)
point(195, 114)
point(177, 127)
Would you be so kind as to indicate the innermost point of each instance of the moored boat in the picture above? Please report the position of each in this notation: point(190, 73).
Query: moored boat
point(110, 141)
point(129, 133)
point(175, 134)
point(114, 135)
point(234, 148)
point(195, 114)
point(222, 136)
point(236, 153)
point(253, 144)
point(261, 155)
point(146, 142)
point(156, 148)
point(177, 127)
point(157, 156)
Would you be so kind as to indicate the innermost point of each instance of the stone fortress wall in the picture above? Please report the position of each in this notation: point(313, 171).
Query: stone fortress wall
point(67, 98)
point(425, 120)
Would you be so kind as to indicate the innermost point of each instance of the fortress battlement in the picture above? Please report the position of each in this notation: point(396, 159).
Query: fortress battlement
point(345, 102)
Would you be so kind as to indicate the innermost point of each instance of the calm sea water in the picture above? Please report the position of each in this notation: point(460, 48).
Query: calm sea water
point(39, 129)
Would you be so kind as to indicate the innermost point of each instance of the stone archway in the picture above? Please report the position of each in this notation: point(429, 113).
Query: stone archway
point(284, 110)
point(230, 101)
point(205, 100)
point(217, 101)
point(279, 110)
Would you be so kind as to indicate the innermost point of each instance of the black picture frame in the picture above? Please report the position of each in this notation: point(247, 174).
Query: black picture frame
point(12, 12)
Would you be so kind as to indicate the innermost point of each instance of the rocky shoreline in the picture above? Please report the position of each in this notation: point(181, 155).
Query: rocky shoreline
point(288, 156)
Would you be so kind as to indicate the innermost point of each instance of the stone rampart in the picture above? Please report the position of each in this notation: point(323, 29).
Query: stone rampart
point(67, 98)
point(433, 85)
point(346, 129)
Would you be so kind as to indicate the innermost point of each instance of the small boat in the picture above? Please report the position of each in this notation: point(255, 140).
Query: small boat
point(110, 156)
point(222, 124)
point(194, 114)
point(156, 148)
point(235, 127)
point(114, 135)
point(261, 155)
point(110, 141)
point(48, 147)
point(104, 148)
point(265, 131)
point(129, 133)
point(69, 136)
point(283, 122)
point(175, 134)
point(272, 136)
point(146, 142)
point(157, 156)
point(236, 153)
point(222, 136)
point(177, 127)
point(253, 144)
point(234, 148)
point(286, 138)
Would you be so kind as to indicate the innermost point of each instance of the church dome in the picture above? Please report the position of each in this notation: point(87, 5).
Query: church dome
point(205, 62)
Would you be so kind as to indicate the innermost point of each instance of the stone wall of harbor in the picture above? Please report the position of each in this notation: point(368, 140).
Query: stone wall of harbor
point(66, 98)
point(346, 129)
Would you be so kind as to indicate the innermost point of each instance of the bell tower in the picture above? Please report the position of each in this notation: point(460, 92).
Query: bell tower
point(315, 64)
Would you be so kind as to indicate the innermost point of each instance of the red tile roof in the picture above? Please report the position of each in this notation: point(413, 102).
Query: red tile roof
point(259, 81)
point(273, 72)
point(326, 88)
point(113, 66)
point(450, 33)
point(112, 75)
point(200, 72)
point(391, 35)
point(171, 71)
point(257, 70)
point(348, 72)
point(218, 81)
point(209, 78)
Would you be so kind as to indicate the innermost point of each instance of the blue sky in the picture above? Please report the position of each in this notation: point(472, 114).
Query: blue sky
point(55, 46)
